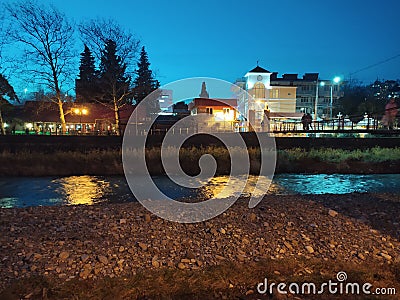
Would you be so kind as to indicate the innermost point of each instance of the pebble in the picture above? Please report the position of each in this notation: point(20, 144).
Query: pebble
point(387, 256)
point(103, 259)
point(86, 271)
point(361, 256)
point(310, 249)
point(93, 243)
point(288, 245)
point(147, 218)
point(253, 217)
point(241, 258)
point(181, 266)
point(143, 246)
point(64, 255)
point(333, 213)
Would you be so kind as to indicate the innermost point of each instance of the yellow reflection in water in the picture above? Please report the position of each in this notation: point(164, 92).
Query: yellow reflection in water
point(256, 186)
point(83, 189)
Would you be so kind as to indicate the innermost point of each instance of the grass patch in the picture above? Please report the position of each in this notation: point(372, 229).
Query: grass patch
point(373, 155)
point(109, 162)
point(229, 280)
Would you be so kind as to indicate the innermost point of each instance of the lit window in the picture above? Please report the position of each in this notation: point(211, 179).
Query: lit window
point(259, 90)
point(273, 93)
point(226, 110)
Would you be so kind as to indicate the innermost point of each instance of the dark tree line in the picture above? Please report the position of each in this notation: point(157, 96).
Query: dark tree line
point(145, 84)
point(369, 99)
point(111, 85)
point(46, 39)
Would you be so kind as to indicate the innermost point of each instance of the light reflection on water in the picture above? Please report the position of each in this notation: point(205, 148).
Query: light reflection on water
point(81, 189)
point(25, 191)
point(216, 187)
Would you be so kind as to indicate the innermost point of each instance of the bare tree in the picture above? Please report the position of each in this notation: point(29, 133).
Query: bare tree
point(47, 38)
point(95, 34)
point(4, 40)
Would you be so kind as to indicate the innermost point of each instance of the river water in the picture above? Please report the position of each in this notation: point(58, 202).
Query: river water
point(72, 190)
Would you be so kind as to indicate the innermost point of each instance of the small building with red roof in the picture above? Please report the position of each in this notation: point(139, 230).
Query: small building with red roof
point(81, 118)
point(215, 114)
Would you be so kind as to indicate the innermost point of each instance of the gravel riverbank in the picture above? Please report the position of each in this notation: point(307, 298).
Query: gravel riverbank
point(117, 240)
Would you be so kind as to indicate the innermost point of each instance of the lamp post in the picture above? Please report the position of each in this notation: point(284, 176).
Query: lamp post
point(336, 80)
point(316, 99)
point(80, 112)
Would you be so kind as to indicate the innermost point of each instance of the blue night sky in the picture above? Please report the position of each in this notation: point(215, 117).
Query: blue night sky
point(224, 39)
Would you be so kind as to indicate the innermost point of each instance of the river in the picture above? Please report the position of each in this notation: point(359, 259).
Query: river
point(73, 190)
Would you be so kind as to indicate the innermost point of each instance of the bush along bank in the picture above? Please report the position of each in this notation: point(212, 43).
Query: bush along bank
point(109, 162)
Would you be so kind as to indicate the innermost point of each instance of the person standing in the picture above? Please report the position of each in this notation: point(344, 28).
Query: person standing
point(309, 121)
point(304, 121)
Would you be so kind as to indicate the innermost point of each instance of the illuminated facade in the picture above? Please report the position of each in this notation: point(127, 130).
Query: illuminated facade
point(263, 98)
point(91, 118)
point(311, 90)
point(215, 114)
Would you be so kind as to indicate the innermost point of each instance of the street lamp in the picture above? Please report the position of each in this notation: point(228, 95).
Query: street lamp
point(336, 80)
point(80, 112)
point(316, 99)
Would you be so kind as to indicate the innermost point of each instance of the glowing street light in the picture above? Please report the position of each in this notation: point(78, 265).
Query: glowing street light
point(336, 80)
point(316, 99)
point(81, 111)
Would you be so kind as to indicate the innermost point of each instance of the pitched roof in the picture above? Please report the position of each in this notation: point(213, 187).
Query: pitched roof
point(213, 102)
point(258, 69)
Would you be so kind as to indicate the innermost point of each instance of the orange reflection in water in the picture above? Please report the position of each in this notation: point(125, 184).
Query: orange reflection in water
point(82, 189)
point(256, 186)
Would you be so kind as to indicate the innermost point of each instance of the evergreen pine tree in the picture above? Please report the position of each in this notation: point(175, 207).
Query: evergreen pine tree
point(87, 71)
point(144, 84)
point(87, 84)
point(113, 80)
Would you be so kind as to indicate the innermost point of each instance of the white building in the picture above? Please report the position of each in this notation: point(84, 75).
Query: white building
point(311, 91)
point(263, 98)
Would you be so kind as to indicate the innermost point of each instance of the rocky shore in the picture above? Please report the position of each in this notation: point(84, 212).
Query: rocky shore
point(81, 243)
